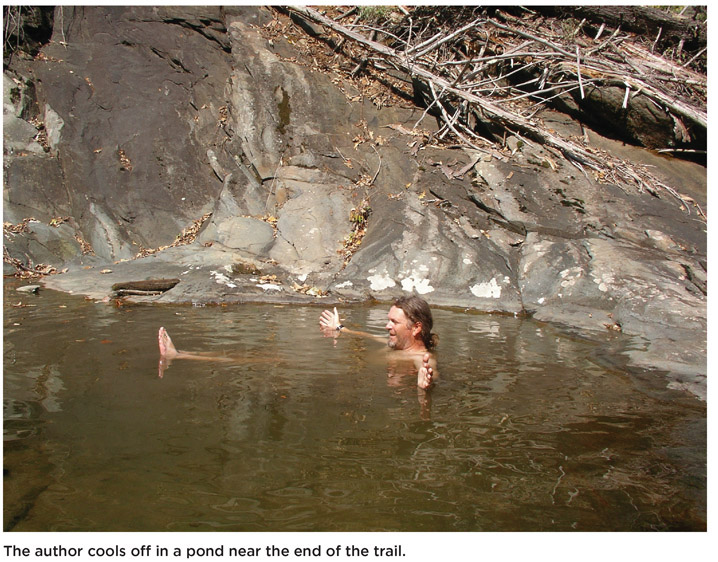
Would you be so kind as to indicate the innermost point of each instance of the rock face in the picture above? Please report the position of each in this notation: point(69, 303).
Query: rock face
point(135, 122)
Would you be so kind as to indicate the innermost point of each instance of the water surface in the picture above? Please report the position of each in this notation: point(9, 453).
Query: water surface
point(531, 428)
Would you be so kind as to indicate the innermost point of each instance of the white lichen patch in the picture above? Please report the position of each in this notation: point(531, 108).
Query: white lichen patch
point(269, 286)
point(380, 282)
point(416, 280)
point(570, 276)
point(603, 282)
point(490, 290)
point(345, 285)
point(222, 279)
point(538, 251)
point(420, 285)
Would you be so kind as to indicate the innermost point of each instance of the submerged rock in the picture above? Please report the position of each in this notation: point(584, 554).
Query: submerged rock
point(29, 289)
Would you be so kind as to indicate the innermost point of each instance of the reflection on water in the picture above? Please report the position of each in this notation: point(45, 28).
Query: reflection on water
point(530, 428)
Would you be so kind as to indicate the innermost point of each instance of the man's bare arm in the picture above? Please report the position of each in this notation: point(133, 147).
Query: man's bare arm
point(331, 326)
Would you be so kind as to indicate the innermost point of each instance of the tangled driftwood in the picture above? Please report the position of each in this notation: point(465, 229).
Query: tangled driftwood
point(488, 75)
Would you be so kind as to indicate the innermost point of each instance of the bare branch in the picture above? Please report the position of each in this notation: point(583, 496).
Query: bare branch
point(489, 76)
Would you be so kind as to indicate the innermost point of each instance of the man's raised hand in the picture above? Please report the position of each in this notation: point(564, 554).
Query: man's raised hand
point(426, 373)
point(329, 322)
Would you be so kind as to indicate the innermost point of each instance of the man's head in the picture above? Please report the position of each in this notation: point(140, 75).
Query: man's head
point(410, 324)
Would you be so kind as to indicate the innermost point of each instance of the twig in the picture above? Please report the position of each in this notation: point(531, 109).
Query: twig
point(682, 150)
point(694, 57)
point(578, 71)
point(376, 174)
point(600, 31)
point(349, 12)
point(448, 124)
point(563, 87)
point(625, 97)
point(578, 28)
point(426, 111)
point(653, 47)
point(410, 51)
point(447, 38)
point(448, 121)
point(500, 57)
point(532, 37)
point(605, 43)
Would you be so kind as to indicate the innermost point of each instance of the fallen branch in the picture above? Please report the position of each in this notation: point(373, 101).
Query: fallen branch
point(146, 285)
point(570, 150)
point(488, 76)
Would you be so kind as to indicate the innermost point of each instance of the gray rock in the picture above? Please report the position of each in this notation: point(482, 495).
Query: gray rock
point(159, 116)
point(244, 233)
point(28, 289)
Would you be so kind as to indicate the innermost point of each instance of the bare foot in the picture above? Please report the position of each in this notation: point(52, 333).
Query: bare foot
point(167, 348)
point(426, 373)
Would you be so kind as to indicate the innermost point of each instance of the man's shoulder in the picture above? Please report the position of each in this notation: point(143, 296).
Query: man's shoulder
point(413, 353)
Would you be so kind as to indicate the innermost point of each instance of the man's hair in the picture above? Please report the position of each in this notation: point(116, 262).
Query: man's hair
point(416, 310)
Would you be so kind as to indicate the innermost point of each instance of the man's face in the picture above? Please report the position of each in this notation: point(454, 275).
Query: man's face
point(400, 332)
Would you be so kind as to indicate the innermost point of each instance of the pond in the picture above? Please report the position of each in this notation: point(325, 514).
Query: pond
point(530, 427)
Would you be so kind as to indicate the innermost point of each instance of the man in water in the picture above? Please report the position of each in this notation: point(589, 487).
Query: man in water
point(409, 333)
